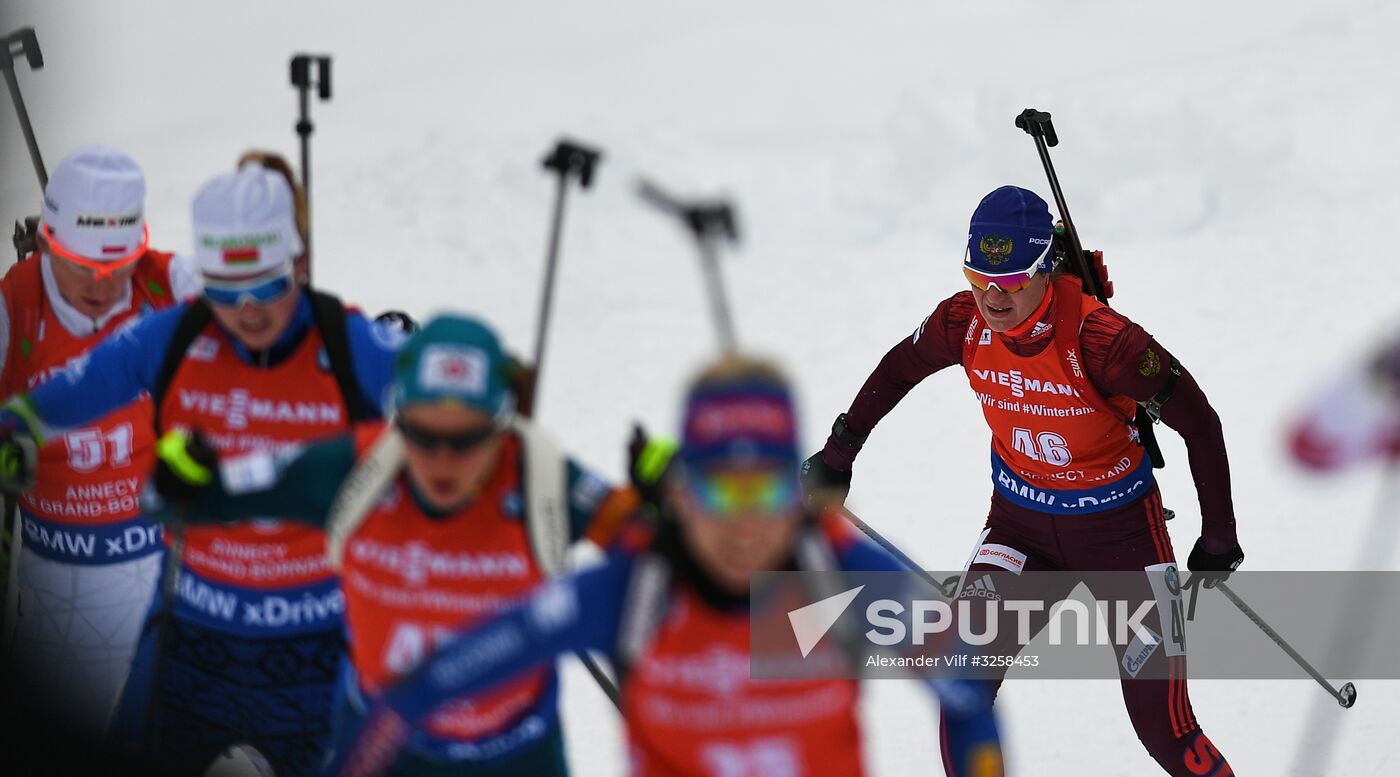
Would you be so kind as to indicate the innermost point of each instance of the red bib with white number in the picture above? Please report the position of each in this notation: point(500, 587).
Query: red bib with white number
point(411, 580)
point(242, 408)
point(93, 475)
point(692, 709)
point(1049, 425)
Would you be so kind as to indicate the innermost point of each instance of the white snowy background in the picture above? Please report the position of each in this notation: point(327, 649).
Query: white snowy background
point(1235, 160)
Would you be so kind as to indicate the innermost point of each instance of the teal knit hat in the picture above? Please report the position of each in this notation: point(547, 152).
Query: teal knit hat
point(454, 358)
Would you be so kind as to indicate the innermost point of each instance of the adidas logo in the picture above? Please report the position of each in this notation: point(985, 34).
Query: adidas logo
point(981, 588)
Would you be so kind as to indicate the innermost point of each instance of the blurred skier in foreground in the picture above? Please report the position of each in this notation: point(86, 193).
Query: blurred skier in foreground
point(671, 608)
point(1356, 419)
point(252, 644)
point(89, 560)
point(438, 520)
point(1058, 375)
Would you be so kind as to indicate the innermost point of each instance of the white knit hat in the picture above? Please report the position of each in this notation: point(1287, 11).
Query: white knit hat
point(245, 223)
point(94, 205)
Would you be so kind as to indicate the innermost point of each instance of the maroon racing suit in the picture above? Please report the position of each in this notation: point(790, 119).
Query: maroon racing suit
point(1120, 360)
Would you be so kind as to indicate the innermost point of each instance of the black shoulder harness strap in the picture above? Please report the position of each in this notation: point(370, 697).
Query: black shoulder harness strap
point(1153, 406)
point(195, 319)
point(329, 316)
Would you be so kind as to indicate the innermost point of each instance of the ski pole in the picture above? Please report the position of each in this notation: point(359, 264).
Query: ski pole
point(1345, 696)
point(302, 80)
point(1092, 273)
point(169, 593)
point(709, 223)
point(567, 160)
point(23, 42)
point(948, 587)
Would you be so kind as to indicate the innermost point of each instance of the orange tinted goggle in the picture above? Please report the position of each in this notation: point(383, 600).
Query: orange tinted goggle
point(1009, 283)
point(101, 268)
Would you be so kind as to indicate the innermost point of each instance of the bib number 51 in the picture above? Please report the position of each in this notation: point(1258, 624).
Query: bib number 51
point(89, 449)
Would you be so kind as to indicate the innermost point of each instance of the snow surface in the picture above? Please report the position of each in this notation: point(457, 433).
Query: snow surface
point(1235, 160)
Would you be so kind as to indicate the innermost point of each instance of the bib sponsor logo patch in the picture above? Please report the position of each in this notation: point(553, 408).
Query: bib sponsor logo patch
point(1139, 650)
point(1003, 556)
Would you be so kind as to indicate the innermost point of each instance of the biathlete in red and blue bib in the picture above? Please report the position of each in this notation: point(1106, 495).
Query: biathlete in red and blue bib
point(1059, 377)
point(88, 559)
point(252, 650)
point(440, 519)
point(671, 608)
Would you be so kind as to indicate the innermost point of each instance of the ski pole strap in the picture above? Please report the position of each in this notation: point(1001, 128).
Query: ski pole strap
point(1153, 406)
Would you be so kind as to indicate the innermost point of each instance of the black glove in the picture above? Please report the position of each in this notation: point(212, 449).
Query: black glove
point(822, 483)
point(19, 455)
point(186, 466)
point(1214, 568)
point(649, 461)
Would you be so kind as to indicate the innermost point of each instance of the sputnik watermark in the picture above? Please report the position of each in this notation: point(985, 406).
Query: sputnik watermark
point(930, 617)
point(1127, 624)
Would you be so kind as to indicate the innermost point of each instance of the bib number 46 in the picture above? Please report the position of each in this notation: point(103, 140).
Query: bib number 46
point(1048, 447)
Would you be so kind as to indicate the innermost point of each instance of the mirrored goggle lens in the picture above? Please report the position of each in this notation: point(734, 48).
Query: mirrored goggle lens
point(1008, 283)
point(730, 493)
point(260, 292)
point(457, 443)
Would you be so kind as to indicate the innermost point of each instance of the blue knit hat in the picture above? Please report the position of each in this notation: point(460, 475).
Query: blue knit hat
point(1011, 232)
point(454, 359)
point(740, 423)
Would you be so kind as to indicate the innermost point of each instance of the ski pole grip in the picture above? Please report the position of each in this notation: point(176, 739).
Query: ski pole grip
point(301, 71)
point(323, 77)
point(1037, 124)
point(28, 45)
point(715, 217)
point(301, 74)
point(569, 157)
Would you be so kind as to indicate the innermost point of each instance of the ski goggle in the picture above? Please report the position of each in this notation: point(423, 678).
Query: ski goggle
point(101, 269)
point(1009, 283)
point(729, 493)
point(258, 291)
point(461, 442)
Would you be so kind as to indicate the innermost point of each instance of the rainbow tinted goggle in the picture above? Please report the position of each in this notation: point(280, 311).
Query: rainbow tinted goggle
point(101, 269)
point(729, 493)
point(1010, 282)
point(1007, 282)
point(259, 290)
